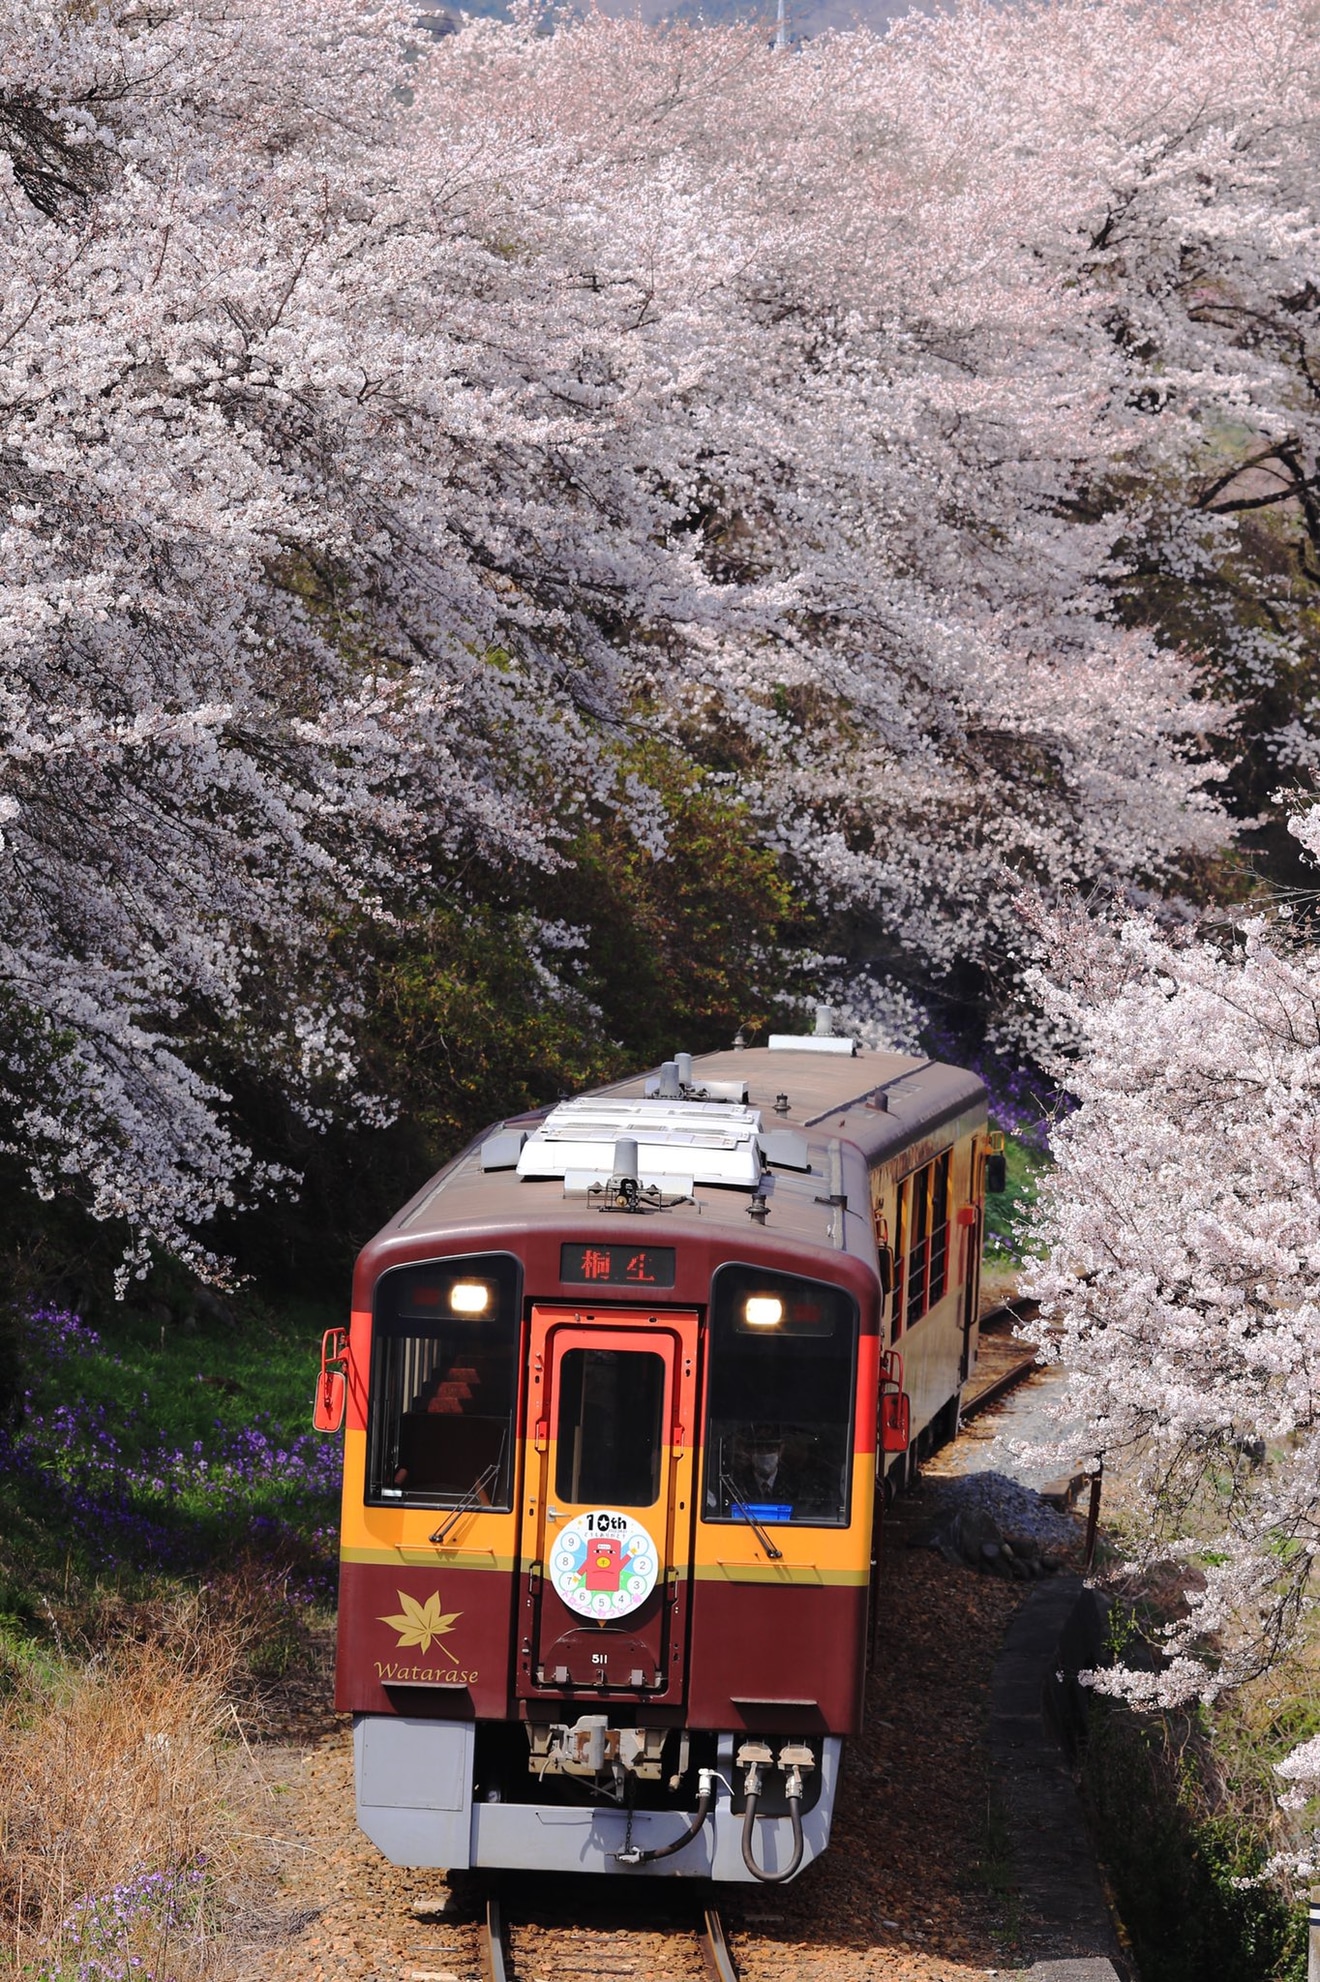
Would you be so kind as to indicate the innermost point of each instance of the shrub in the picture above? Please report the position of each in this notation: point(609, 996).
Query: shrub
point(1187, 1874)
point(123, 1810)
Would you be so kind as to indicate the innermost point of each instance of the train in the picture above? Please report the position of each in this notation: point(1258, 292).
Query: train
point(624, 1388)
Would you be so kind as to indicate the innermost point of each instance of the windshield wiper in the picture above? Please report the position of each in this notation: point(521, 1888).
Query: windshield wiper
point(741, 1507)
point(471, 1497)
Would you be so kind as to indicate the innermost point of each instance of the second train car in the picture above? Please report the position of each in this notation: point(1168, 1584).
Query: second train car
point(622, 1384)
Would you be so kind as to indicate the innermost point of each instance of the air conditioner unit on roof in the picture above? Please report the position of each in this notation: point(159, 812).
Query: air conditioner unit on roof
point(810, 1042)
point(704, 1142)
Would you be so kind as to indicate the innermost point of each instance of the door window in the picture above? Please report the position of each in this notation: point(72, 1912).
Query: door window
point(611, 1431)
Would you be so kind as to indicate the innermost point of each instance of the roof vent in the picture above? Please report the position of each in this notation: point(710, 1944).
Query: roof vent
point(502, 1150)
point(677, 1081)
point(823, 1040)
point(786, 1148)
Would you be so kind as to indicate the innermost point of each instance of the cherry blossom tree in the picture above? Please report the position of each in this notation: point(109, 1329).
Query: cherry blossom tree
point(242, 695)
point(1044, 265)
point(391, 435)
point(1180, 1259)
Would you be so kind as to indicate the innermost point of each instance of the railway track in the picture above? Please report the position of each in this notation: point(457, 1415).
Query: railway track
point(498, 1965)
point(980, 1396)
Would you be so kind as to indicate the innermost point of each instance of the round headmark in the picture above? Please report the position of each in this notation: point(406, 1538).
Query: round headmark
point(603, 1564)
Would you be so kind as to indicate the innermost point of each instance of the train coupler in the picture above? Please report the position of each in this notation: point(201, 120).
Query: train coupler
point(593, 1750)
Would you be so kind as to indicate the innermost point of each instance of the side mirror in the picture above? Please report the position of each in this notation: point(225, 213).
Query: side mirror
point(996, 1172)
point(895, 1405)
point(895, 1421)
point(332, 1383)
point(885, 1256)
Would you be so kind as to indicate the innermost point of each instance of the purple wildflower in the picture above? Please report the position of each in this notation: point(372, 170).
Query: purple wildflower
point(104, 1931)
point(149, 1503)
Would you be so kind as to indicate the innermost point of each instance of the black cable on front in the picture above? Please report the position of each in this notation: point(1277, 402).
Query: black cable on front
point(706, 1790)
point(795, 1817)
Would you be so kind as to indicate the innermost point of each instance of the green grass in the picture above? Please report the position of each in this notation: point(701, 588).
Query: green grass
point(149, 1456)
point(184, 1382)
point(996, 1872)
point(1005, 1209)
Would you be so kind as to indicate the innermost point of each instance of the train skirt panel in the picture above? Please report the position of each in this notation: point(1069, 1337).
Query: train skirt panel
point(417, 1804)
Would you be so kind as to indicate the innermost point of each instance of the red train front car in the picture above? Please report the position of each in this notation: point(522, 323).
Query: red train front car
point(614, 1381)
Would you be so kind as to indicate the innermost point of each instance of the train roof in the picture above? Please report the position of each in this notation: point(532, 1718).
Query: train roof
point(812, 1120)
point(880, 1101)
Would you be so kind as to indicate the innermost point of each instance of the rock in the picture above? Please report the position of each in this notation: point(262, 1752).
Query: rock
point(209, 1306)
point(989, 1551)
point(441, 1906)
point(970, 1530)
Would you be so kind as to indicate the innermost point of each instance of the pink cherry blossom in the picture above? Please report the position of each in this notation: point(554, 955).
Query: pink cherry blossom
point(389, 432)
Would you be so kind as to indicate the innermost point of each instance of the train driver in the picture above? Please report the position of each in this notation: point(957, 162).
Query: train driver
point(783, 1466)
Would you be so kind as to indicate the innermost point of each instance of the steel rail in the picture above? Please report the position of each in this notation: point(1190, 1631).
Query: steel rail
point(1000, 1388)
point(1021, 1310)
point(494, 1955)
point(496, 1965)
point(715, 1949)
point(981, 1400)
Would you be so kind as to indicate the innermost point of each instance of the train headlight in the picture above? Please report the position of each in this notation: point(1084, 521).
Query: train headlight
point(469, 1296)
point(763, 1311)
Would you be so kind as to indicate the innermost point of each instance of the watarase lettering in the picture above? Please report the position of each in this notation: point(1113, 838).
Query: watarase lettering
point(424, 1675)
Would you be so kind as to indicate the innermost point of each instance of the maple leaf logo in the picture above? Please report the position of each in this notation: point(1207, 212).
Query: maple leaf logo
point(420, 1623)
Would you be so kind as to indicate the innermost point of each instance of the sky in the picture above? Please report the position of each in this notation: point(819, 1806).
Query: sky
point(808, 17)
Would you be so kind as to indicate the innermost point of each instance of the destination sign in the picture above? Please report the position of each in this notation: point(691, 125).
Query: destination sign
point(618, 1266)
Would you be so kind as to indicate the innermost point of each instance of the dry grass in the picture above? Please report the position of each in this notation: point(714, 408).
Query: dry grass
point(126, 1801)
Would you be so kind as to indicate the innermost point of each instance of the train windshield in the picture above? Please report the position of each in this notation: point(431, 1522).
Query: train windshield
point(444, 1383)
point(779, 1423)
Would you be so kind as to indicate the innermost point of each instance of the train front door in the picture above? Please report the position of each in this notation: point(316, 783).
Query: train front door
point(608, 1509)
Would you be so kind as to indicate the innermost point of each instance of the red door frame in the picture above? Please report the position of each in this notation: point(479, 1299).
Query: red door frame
point(660, 1622)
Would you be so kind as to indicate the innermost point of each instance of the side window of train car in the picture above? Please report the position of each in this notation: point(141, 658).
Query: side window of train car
point(444, 1383)
point(924, 1224)
point(783, 1357)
